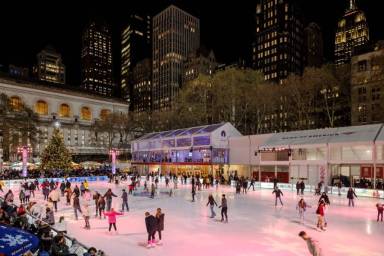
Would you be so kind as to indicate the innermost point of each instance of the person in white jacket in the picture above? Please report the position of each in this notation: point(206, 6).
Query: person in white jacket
point(86, 215)
point(55, 197)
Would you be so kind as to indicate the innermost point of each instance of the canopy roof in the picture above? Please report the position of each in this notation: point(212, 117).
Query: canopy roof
point(181, 132)
point(364, 133)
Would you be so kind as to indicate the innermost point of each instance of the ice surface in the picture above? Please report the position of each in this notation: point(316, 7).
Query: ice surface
point(256, 226)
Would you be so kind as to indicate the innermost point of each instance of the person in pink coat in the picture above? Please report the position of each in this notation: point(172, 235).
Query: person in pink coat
point(112, 218)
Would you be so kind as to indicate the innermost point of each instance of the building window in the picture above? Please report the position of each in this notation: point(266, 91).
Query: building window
point(86, 113)
point(64, 110)
point(41, 108)
point(104, 113)
point(362, 65)
point(16, 103)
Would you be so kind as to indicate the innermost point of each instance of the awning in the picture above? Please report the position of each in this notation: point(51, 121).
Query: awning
point(15, 242)
point(364, 133)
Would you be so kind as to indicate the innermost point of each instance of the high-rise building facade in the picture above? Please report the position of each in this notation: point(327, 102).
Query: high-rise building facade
point(201, 62)
point(50, 67)
point(142, 86)
point(176, 34)
point(352, 31)
point(277, 50)
point(135, 46)
point(367, 85)
point(313, 46)
point(96, 59)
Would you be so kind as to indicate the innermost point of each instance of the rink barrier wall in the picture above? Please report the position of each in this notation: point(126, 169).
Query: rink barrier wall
point(360, 192)
point(16, 183)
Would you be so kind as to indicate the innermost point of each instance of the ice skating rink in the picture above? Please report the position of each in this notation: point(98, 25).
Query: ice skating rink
point(256, 226)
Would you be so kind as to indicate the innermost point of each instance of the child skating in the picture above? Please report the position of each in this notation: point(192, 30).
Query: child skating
point(111, 215)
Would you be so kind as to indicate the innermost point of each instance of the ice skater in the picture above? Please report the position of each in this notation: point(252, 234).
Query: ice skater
point(212, 203)
point(111, 215)
point(302, 207)
point(151, 225)
point(193, 193)
point(108, 198)
point(252, 184)
point(302, 187)
point(313, 245)
point(153, 190)
point(160, 224)
point(101, 206)
point(380, 208)
point(224, 209)
point(351, 196)
point(297, 187)
point(320, 215)
point(76, 205)
point(86, 215)
point(124, 197)
point(278, 194)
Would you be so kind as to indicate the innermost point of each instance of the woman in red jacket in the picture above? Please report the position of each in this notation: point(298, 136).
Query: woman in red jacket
point(320, 215)
point(112, 218)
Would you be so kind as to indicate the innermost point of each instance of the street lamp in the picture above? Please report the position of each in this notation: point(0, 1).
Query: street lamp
point(24, 151)
point(57, 124)
point(113, 152)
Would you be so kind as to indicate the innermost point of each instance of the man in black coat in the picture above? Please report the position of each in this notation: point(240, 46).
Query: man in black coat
point(151, 225)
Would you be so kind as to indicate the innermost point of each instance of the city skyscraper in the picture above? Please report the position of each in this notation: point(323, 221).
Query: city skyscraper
point(352, 31)
point(277, 50)
point(313, 46)
point(176, 33)
point(50, 67)
point(141, 89)
point(135, 46)
point(200, 62)
point(96, 59)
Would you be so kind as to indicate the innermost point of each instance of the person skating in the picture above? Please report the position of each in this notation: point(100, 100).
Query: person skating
point(302, 207)
point(76, 190)
point(101, 206)
point(82, 188)
point(166, 182)
point(278, 193)
point(62, 188)
point(313, 245)
point(45, 192)
point(325, 198)
point(96, 197)
point(124, 197)
point(86, 215)
point(302, 187)
point(153, 190)
point(32, 188)
point(297, 187)
point(27, 195)
point(212, 203)
point(245, 186)
point(224, 209)
point(320, 215)
point(160, 224)
point(76, 205)
point(252, 184)
point(351, 196)
point(193, 193)
point(111, 215)
point(9, 197)
point(339, 186)
point(380, 208)
point(68, 195)
point(151, 226)
point(55, 197)
point(108, 198)
point(21, 196)
point(238, 187)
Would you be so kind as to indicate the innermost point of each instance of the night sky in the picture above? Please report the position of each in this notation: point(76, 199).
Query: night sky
point(227, 27)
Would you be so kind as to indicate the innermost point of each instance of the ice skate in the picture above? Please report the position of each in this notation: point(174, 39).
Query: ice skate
point(153, 244)
point(149, 245)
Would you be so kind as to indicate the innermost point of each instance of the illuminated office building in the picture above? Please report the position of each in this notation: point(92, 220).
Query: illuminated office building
point(176, 34)
point(135, 47)
point(96, 59)
point(352, 31)
point(277, 50)
point(50, 67)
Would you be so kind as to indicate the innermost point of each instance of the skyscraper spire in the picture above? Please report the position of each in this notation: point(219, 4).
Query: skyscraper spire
point(352, 4)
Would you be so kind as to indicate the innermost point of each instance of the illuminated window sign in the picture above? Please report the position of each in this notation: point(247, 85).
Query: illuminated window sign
point(201, 140)
point(184, 142)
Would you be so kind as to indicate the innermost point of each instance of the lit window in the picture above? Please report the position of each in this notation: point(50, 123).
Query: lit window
point(16, 103)
point(86, 113)
point(64, 110)
point(41, 108)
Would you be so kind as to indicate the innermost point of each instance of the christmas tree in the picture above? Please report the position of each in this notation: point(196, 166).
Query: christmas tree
point(56, 155)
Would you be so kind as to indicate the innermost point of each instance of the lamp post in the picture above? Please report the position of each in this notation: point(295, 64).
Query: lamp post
point(24, 151)
point(113, 152)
